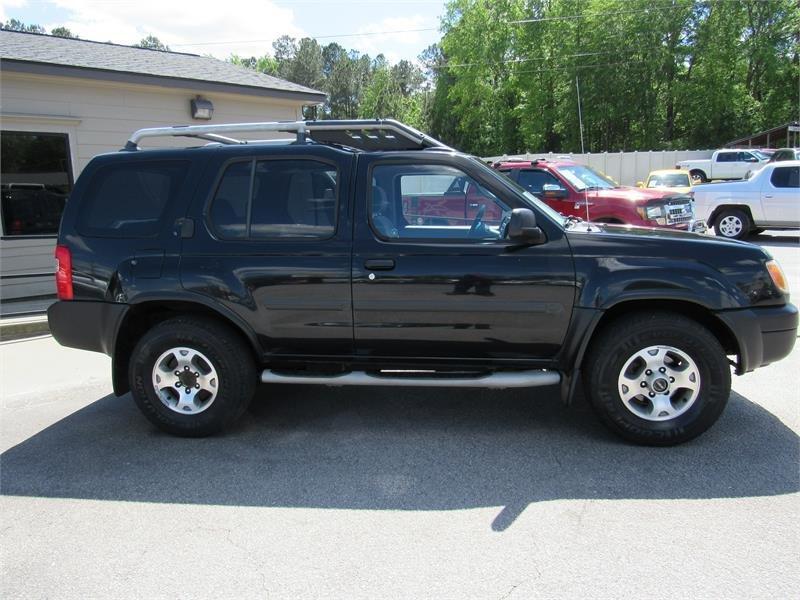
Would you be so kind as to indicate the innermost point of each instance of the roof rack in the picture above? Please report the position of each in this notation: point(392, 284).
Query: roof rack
point(367, 134)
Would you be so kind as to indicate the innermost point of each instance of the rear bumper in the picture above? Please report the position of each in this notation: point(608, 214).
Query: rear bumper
point(764, 335)
point(86, 325)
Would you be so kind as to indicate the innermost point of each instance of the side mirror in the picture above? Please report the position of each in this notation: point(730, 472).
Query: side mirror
point(552, 191)
point(522, 228)
point(640, 184)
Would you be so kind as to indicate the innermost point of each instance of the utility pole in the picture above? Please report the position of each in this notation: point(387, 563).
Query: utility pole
point(580, 116)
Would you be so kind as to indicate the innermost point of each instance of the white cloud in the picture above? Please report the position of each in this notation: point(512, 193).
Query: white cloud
point(394, 46)
point(184, 25)
point(4, 16)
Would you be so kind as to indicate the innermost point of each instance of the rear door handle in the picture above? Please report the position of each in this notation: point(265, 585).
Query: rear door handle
point(379, 264)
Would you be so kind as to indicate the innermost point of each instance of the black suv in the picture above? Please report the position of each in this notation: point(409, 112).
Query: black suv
point(347, 256)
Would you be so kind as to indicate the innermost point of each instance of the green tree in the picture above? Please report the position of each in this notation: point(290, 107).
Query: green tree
point(16, 25)
point(152, 42)
point(262, 64)
point(63, 32)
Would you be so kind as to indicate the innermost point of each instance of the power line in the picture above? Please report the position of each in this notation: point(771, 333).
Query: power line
point(316, 37)
point(588, 15)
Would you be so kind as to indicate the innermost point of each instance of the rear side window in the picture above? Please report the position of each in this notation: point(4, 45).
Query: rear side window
point(786, 177)
point(127, 200)
point(271, 199)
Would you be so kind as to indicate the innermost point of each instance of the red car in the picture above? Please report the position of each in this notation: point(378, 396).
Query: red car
point(570, 188)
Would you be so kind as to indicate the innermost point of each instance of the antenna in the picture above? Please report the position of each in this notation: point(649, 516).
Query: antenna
point(580, 115)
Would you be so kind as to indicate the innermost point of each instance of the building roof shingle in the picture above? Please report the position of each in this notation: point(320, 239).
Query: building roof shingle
point(114, 58)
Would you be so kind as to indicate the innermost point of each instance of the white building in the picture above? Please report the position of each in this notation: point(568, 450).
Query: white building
point(63, 101)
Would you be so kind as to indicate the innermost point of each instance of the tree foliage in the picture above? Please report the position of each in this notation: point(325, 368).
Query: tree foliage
point(17, 25)
point(356, 85)
point(653, 74)
point(152, 43)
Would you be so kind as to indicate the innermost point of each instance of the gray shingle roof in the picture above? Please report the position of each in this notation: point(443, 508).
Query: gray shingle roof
point(51, 50)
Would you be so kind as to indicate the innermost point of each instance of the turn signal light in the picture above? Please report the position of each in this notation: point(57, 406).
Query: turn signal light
point(778, 278)
point(63, 273)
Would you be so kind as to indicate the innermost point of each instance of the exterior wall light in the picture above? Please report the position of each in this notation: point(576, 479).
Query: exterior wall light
point(202, 109)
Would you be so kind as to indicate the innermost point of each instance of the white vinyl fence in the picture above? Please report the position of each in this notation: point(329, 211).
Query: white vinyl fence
point(626, 168)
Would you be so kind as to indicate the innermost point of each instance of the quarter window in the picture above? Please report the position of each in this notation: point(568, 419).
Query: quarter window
point(269, 199)
point(36, 180)
point(433, 202)
point(786, 177)
point(128, 199)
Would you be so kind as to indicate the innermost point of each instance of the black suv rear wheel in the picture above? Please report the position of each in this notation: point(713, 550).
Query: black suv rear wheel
point(657, 378)
point(192, 376)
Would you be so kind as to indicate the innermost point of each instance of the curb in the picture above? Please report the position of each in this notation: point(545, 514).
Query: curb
point(22, 327)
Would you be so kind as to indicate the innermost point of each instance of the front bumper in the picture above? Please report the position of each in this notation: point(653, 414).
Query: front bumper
point(764, 335)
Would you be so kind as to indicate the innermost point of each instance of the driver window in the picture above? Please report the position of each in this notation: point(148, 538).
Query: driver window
point(433, 202)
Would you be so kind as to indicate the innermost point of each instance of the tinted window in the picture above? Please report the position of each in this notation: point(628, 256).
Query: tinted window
point(128, 199)
point(229, 208)
point(293, 198)
point(727, 157)
point(276, 199)
point(786, 177)
point(432, 202)
point(36, 180)
point(533, 181)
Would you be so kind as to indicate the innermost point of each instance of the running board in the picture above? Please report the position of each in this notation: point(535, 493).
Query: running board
point(500, 380)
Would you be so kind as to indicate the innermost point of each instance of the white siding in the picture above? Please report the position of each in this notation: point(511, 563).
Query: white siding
point(100, 118)
point(110, 112)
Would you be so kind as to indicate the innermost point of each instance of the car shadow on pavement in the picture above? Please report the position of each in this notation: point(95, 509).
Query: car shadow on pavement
point(767, 239)
point(397, 449)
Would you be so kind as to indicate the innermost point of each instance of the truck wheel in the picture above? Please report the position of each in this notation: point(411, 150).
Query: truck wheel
point(191, 376)
point(733, 224)
point(698, 176)
point(657, 378)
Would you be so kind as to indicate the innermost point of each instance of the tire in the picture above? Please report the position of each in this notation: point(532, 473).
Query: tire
point(733, 224)
point(222, 376)
point(698, 176)
point(612, 380)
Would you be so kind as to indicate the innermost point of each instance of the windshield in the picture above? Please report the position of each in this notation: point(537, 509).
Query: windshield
point(508, 182)
point(584, 178)
point(762, 155)
point(669, 180)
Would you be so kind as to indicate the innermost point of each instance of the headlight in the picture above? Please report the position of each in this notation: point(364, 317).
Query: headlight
point(654, 212)
point(777, 276)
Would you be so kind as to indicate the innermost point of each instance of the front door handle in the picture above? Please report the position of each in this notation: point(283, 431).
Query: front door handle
point(379, 264)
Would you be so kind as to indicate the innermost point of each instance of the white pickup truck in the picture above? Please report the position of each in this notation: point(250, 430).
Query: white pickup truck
point(724, 164)
point(770, 199)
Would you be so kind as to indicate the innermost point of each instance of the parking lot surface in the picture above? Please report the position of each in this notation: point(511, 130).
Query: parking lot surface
point(390, 493)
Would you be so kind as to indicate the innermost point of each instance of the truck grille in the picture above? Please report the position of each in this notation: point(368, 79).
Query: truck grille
point(679, 213)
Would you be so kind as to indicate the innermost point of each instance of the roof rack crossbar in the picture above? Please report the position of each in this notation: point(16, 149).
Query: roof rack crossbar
point(393, 129)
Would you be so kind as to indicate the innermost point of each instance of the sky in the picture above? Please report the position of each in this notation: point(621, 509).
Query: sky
point(244, 27)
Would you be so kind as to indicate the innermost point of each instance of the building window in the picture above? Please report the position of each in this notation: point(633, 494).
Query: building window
point(36, 177)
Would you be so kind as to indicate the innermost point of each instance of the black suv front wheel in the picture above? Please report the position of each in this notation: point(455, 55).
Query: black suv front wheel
point(657, 378)
point(192, 376)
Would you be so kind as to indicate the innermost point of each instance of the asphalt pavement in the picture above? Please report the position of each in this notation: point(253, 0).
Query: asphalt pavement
point(390, 493)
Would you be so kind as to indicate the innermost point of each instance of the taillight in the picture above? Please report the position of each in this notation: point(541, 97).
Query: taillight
point(63, 273)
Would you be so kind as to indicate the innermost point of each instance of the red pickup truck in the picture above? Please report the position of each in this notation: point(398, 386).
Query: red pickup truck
point(570, 188)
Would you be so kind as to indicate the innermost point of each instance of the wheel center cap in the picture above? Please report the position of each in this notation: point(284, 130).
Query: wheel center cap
point(188, 379)
point(660, 385)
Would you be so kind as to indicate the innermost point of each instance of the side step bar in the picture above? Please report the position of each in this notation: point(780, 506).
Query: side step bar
point(499, 381)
